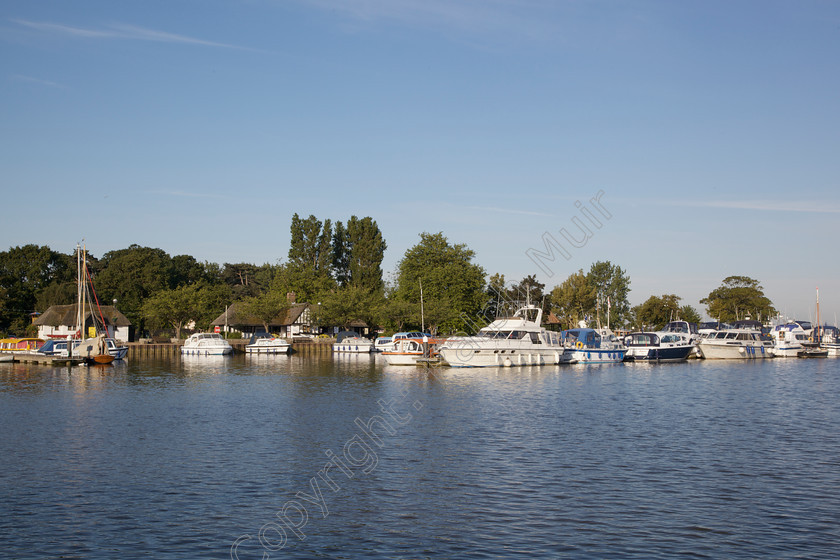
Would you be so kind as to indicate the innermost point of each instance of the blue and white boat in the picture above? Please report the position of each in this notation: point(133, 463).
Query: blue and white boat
point(789, 340)
point(594, 346)
point(58, 347)
point(658, 346)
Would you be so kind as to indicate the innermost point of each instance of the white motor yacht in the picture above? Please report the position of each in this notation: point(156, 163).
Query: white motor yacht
point(734, 344)
point(509, 341)
point(206, 344)
point(267, 344)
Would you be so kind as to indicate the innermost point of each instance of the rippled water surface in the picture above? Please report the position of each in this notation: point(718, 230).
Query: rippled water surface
point(298, 457)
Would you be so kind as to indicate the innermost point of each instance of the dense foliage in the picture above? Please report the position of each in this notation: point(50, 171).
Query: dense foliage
point(656, 311)
point(337, 267)
point(738, 297)
point(452, 285)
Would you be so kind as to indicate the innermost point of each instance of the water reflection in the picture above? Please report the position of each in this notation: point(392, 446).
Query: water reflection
point(177, 457)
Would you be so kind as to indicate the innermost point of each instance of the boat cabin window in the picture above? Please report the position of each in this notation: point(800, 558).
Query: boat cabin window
point(671, 338)
point(641, 339)
point(731, 335)
point(535, 338)
point(745, 336)
point(518, 335)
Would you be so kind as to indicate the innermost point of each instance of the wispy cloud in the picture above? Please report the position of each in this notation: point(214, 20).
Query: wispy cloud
point(814, 207)
point(39, 81)
point(480, 16)
point(510, 211)
point(187, 194)
point(120, 32)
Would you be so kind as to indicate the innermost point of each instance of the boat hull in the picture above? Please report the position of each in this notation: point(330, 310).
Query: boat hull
point(488, 357)
point(205, 351)
point(659, 354)
point(352, 348)
point(733, 351)
point(277, 349)
point(401, 358)
point(597, 355)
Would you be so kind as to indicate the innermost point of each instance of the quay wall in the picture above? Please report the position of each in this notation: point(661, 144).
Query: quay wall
point(165, 349)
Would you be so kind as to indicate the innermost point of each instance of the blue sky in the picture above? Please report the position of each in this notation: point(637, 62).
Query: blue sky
point(200, 127)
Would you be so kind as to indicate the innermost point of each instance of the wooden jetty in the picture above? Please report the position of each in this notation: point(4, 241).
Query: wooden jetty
point(26, 357)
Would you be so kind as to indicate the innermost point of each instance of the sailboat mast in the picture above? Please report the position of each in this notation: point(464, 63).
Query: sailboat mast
point(422, 312)
point(82, 335)
point(818, 331)
point(79, 289)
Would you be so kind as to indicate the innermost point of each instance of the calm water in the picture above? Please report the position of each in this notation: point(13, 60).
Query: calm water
point(182, 459)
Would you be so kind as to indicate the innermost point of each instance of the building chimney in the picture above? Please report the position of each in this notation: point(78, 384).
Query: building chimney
point(291, 297)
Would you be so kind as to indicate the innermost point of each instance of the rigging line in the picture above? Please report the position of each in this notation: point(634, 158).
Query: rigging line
point(99, 307)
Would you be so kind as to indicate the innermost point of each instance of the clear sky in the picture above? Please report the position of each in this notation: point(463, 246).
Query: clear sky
point(200, 126)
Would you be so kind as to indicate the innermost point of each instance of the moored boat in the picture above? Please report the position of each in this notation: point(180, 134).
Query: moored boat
point(406, 351)
point(509, 341)
point(20, 344)
point(658, 346)
point(733, 344)
point(206, 344)
point(267, 344)
point(354, 345)
point(788, 340)
point(594, 346)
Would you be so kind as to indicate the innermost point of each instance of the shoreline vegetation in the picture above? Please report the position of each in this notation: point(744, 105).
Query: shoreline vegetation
point(337, 268)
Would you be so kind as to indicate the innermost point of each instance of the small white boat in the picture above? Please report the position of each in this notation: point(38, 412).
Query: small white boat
point(267, 345)
point(383, 343)
point(206, 344)
point(407, 351)
point(508, 341)
point(354, 345)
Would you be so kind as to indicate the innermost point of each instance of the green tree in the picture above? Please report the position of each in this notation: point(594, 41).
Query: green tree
point(130, 276)
point(610, 283)
point(175, 308)
point(688, 313)
point(24, 273)
point(366, 251)
point(736, 298)
point(655, 312)
point(453, 286)
point(186, 270)
point(170, 308)
point(240, 278)
point(309, 270)
point(266, 307)
point(341, 255)
point(349, 304)
point(574, 299)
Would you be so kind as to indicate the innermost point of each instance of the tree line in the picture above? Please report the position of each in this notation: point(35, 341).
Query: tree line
point(337, 268)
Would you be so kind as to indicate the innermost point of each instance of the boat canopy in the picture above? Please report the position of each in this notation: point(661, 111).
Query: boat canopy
point(714, 325)
point(681, 327)
point(747, 324)
point(589, 337)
